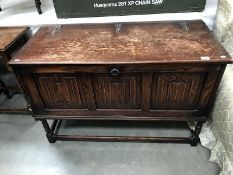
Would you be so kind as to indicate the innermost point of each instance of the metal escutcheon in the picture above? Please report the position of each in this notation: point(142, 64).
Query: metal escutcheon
point(115, 72)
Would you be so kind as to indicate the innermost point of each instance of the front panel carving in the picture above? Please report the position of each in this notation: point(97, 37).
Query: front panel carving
point(60, 91)
point(120, 92)
point(176, 91)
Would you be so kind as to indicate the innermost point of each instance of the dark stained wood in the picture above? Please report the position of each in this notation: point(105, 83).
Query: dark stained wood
point(138, 43)
point(8, 35)
point(38, 6)
point(146, 91)
point(124, 116)
point(117, 92)
point(11, 40)
point(213, 95)
point(122, 113)
point(122, 139)
point(4, 89)
point(48, 130)
point(198, 127)
point(15, 110)
point(60, 91)
point(88, 91)
point(126, 68)
point(195, 133)
point(147, 72)
point(176, 90)
point(33, 97)
point(166, 89)
point(210, 84)
point(53, 135)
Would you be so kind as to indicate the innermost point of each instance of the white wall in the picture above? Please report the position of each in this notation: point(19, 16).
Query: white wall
point(23, 12)
point(222, 115)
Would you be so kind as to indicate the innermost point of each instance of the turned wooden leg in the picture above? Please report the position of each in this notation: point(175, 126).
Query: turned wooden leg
point(198, 127)
point(49, 133)
point(3, 88)
point(38, 6)
point(195, 134)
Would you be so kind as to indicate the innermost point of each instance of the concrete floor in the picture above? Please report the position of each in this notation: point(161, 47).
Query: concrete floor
point(24, 150)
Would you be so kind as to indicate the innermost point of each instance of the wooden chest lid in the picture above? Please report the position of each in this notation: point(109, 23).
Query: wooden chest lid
point(9, 34)
point(170, 42)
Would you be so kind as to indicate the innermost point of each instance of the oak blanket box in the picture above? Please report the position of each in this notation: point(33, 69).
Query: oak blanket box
point(166, 71)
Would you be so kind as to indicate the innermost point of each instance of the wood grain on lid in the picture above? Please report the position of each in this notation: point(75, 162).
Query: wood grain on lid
point(168, 42)
point(9, 34)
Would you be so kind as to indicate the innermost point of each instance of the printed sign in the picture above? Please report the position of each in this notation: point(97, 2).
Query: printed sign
point(130, 3)
point(92, 8)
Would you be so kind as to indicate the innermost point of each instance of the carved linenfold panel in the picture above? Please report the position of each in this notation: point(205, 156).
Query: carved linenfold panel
point(176, 90)
point(71, 90)
point(117, 92)
point(60, 91)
